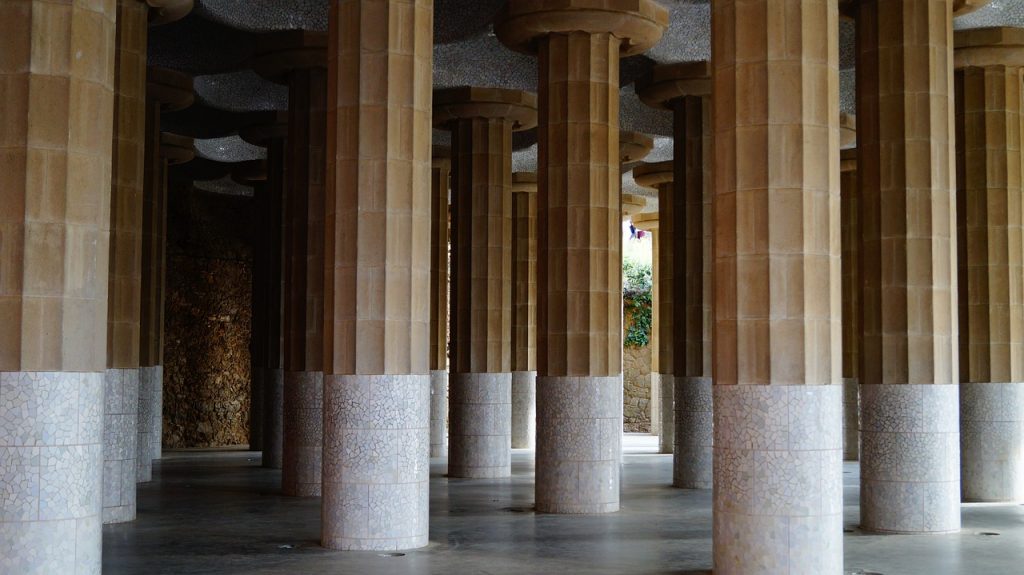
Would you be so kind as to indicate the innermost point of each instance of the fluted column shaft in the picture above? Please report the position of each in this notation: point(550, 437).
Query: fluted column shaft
point(910, 480)
point(377, 285)
point(57, 83)
point(777, 400)
point(440, 172)
point(524, 310)
point(302, 433)
point(990, 217)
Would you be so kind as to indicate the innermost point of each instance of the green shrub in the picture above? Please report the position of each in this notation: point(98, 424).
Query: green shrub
point(637, 300)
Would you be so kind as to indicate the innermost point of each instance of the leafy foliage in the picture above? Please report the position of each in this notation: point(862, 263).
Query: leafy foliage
point(637, 299)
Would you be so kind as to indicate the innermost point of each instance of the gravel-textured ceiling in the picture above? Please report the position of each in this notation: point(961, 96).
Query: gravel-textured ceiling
point(225, 186)
point(995, 13)
point(242, 91)
point(266, 15)
point(229, 150)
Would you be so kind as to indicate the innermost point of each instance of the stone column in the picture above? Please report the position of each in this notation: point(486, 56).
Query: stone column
point(579, 287)
point(849, 229)
point(298, 58)
point(440, 171)
point(57, 87)
point(686, 267)
point(990, 216)
point(124, 276)
point(481, 121)
point(655, 176)
point(910, 445)
point(376, 466)
point(778, 505)
point(524, 310)
point(166, 91)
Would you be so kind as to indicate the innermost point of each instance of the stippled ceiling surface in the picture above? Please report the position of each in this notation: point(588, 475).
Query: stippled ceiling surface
point(216, 41)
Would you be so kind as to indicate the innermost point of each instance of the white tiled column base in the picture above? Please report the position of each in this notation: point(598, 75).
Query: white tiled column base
point(51, 466)
point(910, 458)
point(778, 497)
point(524, 409)
point(579, 443)
point(273, 418)
point(439, 413)
point(692, 463)
point(376, 467)
point(992, 441)
point(851, 419)
point(120, 438)
point(157, 436)
point(144, 428)
point(667, 433)
point(480, 440)
point(303, 433)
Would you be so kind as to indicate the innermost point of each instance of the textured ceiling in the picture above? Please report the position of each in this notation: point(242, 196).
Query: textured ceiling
point(215, 42)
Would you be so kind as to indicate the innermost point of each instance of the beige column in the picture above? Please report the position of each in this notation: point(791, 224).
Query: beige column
point(849, 230)
point(481, 121)
point(57, 72)
point(684, 89)
point(910, 480)
point(124, 276)
point(778, 505)
point(166, 91)
point(524, 310)
point(298, 58)
point(579, 313)
point(377, 289)
point(990, 216)
point(440, 172)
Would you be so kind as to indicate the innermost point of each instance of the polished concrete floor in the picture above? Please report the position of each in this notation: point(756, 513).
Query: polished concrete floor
point(220, 512)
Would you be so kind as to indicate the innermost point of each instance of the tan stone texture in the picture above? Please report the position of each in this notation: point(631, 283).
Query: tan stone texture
point(905, 175)
point(440, 173)
point(377, 290)
point(304, 241)
point(57, 85)
point(776, 201)
point(989, 211)
point(524, 271)
point(127, 171)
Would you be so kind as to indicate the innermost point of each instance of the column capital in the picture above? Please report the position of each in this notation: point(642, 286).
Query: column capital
point(847, 130)
point(632, 204)
point(176, 149)
point(1001, 46)
point(167, 11)
point(848, 160)
point(667, 82)
point(653, 175)
point(647, 221)
point(517, 106)
point(634, 146)
point(170, 88)
point(441, 156)
point(249, 172)
point(525, 182)
point(274, 128)
point(961, 7)
point(282, 53)
point(638, 23)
